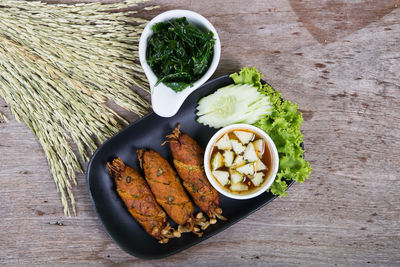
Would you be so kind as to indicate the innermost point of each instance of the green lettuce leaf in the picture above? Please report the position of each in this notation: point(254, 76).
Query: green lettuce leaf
point(248, 75)
point(283, 126)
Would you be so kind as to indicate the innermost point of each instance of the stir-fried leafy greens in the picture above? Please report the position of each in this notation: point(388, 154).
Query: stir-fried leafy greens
point(283, 126)
point(179, 53)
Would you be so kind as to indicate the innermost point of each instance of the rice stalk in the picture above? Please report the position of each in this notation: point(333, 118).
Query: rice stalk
point(59, 64)
point(3, 117)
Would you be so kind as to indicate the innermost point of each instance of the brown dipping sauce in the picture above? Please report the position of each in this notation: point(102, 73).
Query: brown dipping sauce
point(266, 159)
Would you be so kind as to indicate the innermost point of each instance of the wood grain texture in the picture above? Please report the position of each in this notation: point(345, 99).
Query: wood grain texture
point(348, 88)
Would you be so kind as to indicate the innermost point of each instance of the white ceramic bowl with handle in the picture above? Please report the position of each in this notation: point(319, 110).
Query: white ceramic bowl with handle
point(267, 180)
point(165, 101)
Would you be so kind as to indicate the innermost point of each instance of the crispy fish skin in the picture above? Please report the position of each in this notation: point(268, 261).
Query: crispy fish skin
point(189, 163)
point(139, 200)
point(166, 187)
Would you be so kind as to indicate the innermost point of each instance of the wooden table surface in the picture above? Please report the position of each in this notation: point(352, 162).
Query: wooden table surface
point(340, 61)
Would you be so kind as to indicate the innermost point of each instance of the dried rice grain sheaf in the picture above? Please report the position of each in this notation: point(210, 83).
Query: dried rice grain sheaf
point(59, 64)
point(3, 118)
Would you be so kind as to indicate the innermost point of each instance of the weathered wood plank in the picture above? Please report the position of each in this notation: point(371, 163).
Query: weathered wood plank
point(348, 88)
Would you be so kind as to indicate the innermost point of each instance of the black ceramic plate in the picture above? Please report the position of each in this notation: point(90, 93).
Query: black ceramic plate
point(150, 132)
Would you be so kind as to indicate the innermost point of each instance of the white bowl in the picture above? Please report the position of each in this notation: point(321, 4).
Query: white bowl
point(267, 180)
point(164, 100)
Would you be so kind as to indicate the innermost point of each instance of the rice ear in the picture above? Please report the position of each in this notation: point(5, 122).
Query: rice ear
point(57, 78)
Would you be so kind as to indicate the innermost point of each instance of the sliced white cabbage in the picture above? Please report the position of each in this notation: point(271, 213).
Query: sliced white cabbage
point(228, 157)
point(224, 143)
point(236, 177)
point(239, 161)
point(232, 104)
point(257, 179)
point(246, 169)
point(239, 187)
point(217, 161)
point(259, 147)
point(221, 176)
point(250, 153)
point(244, 137)
point(237, 146)
point(259, 165)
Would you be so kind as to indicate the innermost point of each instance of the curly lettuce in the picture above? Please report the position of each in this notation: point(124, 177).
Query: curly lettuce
point(283, 126)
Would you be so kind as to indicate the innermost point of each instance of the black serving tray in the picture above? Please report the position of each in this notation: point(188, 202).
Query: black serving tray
point(150, 132)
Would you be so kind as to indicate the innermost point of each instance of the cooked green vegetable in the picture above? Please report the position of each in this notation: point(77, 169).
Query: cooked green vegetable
point(179, 53)
point(283, 126)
